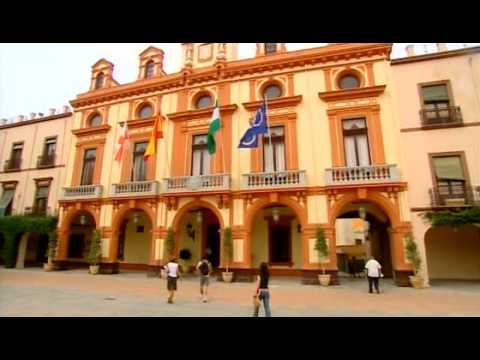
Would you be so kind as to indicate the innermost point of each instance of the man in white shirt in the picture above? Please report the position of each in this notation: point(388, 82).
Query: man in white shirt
point(373, 268)
point(173, 272)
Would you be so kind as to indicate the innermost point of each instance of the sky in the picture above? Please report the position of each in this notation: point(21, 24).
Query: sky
point(36, 77)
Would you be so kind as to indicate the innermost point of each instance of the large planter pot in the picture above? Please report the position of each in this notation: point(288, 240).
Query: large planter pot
point(324, 280)
point(416, 281)
point(50, 267)
point(227, 276)
point(94, 269)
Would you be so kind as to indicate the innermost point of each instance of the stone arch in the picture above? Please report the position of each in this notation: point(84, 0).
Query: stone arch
point(120, 213)
point(193, 204)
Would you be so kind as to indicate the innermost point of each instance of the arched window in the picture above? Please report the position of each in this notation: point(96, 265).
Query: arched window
point(95, 120)
point(99, 81)
point(145, 111)
point(203, 102)
point(349, 81)
point(272, 91)
point(149, 69)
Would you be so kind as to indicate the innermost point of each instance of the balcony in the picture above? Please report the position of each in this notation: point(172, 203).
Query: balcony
point(279, 179)
point(136, 188)
point(12, 165)
point(441, 116)
point(372, 174)
point(197, 183)
point(455, 195)
point(46, 160)
point(82, 192)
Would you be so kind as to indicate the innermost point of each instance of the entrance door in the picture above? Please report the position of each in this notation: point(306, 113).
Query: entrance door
point(213, 243)
point(76, 246)
point(280, 245)
point(42, 247)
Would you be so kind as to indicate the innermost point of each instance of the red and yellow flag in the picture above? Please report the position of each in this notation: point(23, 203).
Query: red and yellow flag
point(156, 134)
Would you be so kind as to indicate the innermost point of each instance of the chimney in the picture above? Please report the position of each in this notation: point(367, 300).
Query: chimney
point(66, 108)
point(51, 111)
point(20, 118)
point(410, 50)
point(32, 115)
point(40, 114)
point(441, 47)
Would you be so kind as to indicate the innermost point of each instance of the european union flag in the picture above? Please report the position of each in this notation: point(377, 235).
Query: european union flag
point(259, 126)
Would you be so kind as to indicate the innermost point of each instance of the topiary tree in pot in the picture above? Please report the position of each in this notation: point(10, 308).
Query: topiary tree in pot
point(321, 247)
point(414, 257)
point(94, 254)
point(227, 276)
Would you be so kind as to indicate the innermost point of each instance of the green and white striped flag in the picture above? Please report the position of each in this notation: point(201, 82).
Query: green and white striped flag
point(215, 126)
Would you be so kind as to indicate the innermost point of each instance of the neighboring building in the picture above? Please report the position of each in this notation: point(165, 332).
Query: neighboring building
point(33, 153)
point(438, 100)
point(335, 143)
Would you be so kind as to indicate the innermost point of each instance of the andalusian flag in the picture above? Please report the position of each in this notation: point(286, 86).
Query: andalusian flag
point(156, 134)
point(215, 126)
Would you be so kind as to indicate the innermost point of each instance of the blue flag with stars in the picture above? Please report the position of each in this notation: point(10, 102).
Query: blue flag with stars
point(259, 126)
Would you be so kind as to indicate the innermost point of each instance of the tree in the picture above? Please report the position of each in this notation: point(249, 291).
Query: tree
point(321, 248)
point(413, 255)
point(227, 247)
point(95, 249)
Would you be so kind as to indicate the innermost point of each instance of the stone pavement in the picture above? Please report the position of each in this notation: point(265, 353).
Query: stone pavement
point(33, 292)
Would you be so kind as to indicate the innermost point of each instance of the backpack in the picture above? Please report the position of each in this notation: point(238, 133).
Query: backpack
point(204, 268)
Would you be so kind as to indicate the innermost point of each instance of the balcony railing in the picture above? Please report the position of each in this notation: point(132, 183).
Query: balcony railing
point(371, 174)
point(441, 116)
point(455, 195)
point(82, 192)
point(135, 188)
point(279, 179)
point(197, 183)
point(46, 160)
point(12, 164)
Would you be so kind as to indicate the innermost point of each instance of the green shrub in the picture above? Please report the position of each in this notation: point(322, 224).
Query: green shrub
point(95, 249)
point(321, 247)
point(413, 255)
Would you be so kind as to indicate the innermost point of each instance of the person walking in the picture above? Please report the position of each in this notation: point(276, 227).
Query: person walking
point(373, 268)
point(352, 265)
point(262, 293)
point(173, 274)
point(205, 268)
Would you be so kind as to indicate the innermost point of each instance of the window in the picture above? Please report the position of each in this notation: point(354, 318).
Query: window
point(272, 91)
point(449, 176)
point(205, 51)
point(355, 137)
point(95, 120)
point(349, 82)
point(41, 200)
point(48, 156)
point(145, 111)
point(204, 101)
point(99, 81)
point(436, 107)
point(6, 202)
point(88, 167)
point(270, 48)
point(274, 156)
point(16, 157)
point(200, 156)
point(149, 69)
point(139, 169)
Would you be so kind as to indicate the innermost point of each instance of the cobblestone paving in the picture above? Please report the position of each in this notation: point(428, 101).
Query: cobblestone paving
point(33, 292)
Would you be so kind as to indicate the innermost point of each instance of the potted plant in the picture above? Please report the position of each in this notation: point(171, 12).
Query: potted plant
point(95, 252)
point(321, 248)
point(185, 255)
point(168, 250)
point(414, 257)
point(51, 251)
point(227, 276)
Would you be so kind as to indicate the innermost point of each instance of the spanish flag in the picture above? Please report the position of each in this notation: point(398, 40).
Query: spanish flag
point(156, 134)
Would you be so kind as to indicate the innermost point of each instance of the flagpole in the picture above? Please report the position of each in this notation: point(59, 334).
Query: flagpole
point(268, 130)
point(222, 138)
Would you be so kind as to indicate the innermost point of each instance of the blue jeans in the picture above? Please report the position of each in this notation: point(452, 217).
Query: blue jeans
point(264, 295)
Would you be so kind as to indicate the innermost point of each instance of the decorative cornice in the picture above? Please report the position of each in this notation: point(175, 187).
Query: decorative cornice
point(196, 114)
point(336, 95)
point(97, 130)
point(437, 55)
point(34, 121)
point(274, 103)
point(237, 68)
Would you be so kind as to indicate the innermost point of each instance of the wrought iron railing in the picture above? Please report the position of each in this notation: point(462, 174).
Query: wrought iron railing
point(45, 160)
point(12, 164)
point(197, 183)
point(282, 179)
point(441, 116)
point(135, 188)
point(362, 174)
point(454, 195)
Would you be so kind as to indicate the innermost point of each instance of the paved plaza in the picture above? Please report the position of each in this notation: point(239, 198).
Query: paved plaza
point(33, 292)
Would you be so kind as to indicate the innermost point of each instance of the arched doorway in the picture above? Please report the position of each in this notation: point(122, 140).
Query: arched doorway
point(36, 252)
point(276, 239)
point(134, 240)
point(453, 253)
point(362, 230)
point(80, 234)
point(199, 232)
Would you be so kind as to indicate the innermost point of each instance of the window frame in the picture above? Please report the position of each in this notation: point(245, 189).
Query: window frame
point(134, 156)
point(83, 165)
point(448, 85)
point(97, 84)
point(275, 140)
point(18, 143)
point(94, 116)
point(272, 84)
point(265, 47)
point(204, 150)
point(345, 75)
point(36, 197)
point(463, 161)
point(354, 133)
point(143, 106)
point(149, 65)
